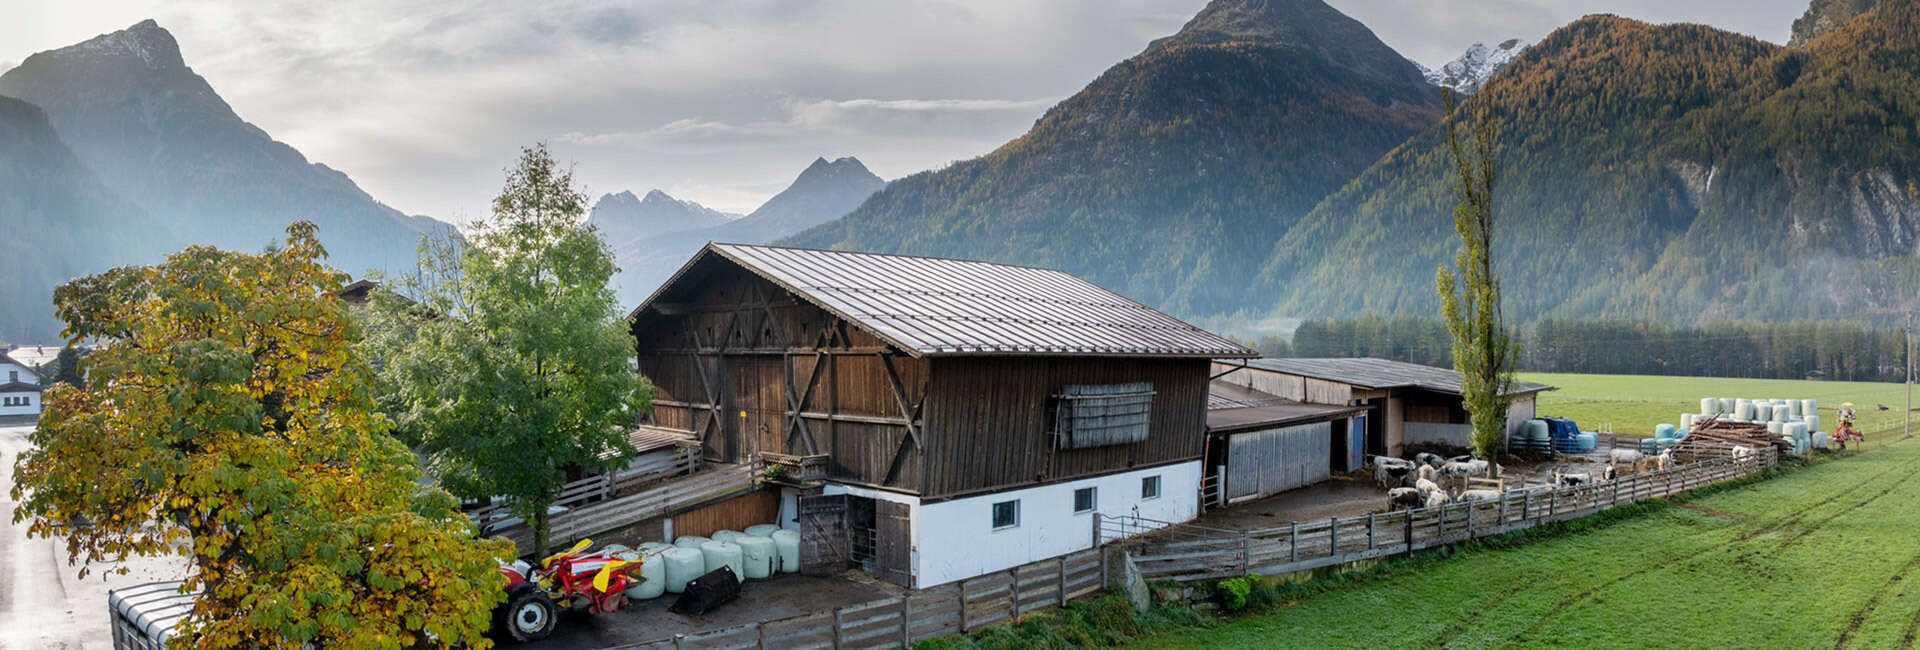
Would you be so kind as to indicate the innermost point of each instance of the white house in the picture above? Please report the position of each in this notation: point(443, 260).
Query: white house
point(20, 391)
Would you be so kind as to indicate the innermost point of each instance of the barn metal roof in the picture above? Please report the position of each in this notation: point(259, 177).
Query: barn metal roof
point(1368, 372)
point(944, 307)
point(1254, 418)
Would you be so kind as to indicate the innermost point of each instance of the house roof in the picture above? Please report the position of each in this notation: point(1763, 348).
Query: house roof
point(944, 307)
point(1374, 373)
point(19, 387)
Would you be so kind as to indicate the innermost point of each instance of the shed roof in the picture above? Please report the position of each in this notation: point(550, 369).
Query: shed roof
point(944, 307)
point(1368, 372)
point(1253, 418)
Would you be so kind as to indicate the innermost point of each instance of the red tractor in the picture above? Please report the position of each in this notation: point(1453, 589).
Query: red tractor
point(595, 582)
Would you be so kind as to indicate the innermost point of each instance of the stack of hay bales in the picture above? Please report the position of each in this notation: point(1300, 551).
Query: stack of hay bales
point(1796, 421)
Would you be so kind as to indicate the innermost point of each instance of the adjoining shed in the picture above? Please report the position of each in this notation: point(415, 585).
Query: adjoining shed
point(935, 419)
point(1259, 444)
point(1404, 403)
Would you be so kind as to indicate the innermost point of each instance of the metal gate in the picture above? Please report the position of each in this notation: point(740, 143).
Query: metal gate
point(823, 534)
point(1266, 462)
point(893, 543)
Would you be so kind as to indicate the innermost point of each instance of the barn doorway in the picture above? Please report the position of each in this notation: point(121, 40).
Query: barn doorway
point(838, 531)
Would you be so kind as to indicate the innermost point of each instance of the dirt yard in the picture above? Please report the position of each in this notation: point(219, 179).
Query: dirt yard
point(760, 600)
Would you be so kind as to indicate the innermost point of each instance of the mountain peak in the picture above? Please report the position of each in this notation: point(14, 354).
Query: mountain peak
point(146, 40)
point(1825, 16)
point(1467, 74)
point(844, 167)
point(1308, 25)
point(654, 196)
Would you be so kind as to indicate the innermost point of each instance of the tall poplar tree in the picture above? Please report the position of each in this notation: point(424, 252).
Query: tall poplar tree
point(1485, 349)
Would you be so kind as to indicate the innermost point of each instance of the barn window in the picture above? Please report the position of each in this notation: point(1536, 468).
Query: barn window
point(1085, 500)
point(1150, 487)
point(1101, 415)
point(1006, 514)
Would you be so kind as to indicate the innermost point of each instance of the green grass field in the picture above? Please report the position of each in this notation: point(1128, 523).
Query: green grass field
point(1633, 404)
point(1825, 556)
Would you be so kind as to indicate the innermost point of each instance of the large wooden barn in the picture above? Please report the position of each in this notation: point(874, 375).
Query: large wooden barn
point(939, 419)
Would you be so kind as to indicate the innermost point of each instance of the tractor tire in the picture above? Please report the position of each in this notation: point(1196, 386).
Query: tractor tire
point(528, 615)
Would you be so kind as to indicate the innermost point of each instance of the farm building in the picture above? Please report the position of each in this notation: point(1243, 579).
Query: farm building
point(1406, 404)
point(935, 419)
point(1260, 444)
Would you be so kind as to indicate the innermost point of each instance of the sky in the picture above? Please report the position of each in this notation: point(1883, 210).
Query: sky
point(721, 102)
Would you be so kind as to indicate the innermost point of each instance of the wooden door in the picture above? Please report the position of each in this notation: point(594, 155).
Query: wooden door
point(823, 534)
point(893, 541)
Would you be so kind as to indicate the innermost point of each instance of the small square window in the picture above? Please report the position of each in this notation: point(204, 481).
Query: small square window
point(1006, 514)
point(1150, 487)
point(1085, 500)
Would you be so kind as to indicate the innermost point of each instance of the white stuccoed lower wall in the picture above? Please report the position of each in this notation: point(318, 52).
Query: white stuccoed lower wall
point(32, 406)
point(955, 540)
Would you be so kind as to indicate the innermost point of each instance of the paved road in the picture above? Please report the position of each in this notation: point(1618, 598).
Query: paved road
point(42, 602)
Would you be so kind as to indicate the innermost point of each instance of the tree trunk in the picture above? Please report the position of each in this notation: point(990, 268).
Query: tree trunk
point(541, 541)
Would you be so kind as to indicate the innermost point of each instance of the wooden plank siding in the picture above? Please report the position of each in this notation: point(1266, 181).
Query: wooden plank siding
point(987, 420)
point(730, 353)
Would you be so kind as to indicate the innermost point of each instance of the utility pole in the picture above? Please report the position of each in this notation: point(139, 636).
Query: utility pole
point(1906, 419)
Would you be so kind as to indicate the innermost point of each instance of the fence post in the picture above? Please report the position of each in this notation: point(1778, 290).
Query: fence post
point(1013, 594)
point(1503, 510)
point(1408, 514)
point(1096, 529)
point(1470, 509)
point(679, 641)
point(1373, 522)
point(964, 628)
point(1526, 507)
point(1293, 543)
point(1553, 502)
point(836, 627)
point(1333, 537)
point(1246, 552)
point(1063, 580)
point(760, 633)
point(906, 621)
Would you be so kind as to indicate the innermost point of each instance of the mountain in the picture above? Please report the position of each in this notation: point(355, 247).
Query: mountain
point(1169, 176)
point(1669, 173)
point(824, 191)
point(158, 135)
point(1825, 16)
point(623, 217)
point(1467, 74)
point(60, 221)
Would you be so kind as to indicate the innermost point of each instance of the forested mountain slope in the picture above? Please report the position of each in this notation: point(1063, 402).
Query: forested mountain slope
point(1169, 176)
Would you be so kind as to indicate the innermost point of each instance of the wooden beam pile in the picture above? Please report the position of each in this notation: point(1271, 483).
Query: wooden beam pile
point(1717, 435)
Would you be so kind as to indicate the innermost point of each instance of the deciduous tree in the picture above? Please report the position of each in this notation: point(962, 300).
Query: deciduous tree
point(1485, 350)
point(228, 418)
point(507, 361)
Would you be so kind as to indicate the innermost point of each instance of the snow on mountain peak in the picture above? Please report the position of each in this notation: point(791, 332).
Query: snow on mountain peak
point(1470, 72)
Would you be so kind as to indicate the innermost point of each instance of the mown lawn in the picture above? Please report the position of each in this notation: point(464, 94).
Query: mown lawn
point(1826, 556)
point(1633, 404)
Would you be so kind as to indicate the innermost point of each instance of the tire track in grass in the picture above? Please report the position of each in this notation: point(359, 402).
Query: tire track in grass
point(1744, 539)
point(1859, 616)
point(1913, 628)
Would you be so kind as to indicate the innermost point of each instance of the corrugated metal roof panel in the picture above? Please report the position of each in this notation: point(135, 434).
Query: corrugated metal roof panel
point(932, 306)
point(1380, 373)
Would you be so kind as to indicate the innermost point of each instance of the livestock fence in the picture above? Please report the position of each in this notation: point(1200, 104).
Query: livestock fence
point(1183, 552)
point(954, 608)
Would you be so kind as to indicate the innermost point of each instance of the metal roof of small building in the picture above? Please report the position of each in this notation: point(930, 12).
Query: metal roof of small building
point(942, 307)
point(1368, 372)
point(1255, 418)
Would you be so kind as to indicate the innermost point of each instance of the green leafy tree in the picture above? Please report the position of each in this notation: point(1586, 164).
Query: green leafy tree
point(1485, 350)
point(507, 362)
point(228, 419)
point(67, 368)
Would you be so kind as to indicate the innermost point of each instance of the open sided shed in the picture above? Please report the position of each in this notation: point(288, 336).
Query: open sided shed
point(1405, 403)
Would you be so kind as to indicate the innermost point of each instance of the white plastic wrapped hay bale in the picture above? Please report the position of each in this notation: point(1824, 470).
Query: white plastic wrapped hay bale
point(723, 554)
point(1796, 407)
point(724, 535)
point(653, 578)
point(1743, 409)
point(1686, 421)
point(682, 565)
point(1709, 406)
point(1810, 407)
point(761, 530)
point(786, 544)
point(1773, 428)
point(1813, 423)
point(757, 556)
point(1763, 412)
point(691, 541)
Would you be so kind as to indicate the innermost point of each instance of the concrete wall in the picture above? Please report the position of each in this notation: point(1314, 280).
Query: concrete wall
point(1524, 408)
point(955, 539)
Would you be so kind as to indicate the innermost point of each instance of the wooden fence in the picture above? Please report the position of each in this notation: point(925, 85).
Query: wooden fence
point(498, 518)
point(901, 621)
point(672, 496)
point(1184, 552)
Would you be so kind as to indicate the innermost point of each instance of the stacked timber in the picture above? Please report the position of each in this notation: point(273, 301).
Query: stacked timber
point(1717, 436)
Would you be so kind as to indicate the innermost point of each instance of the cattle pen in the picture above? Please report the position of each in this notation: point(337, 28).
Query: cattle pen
point(1184, 552)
